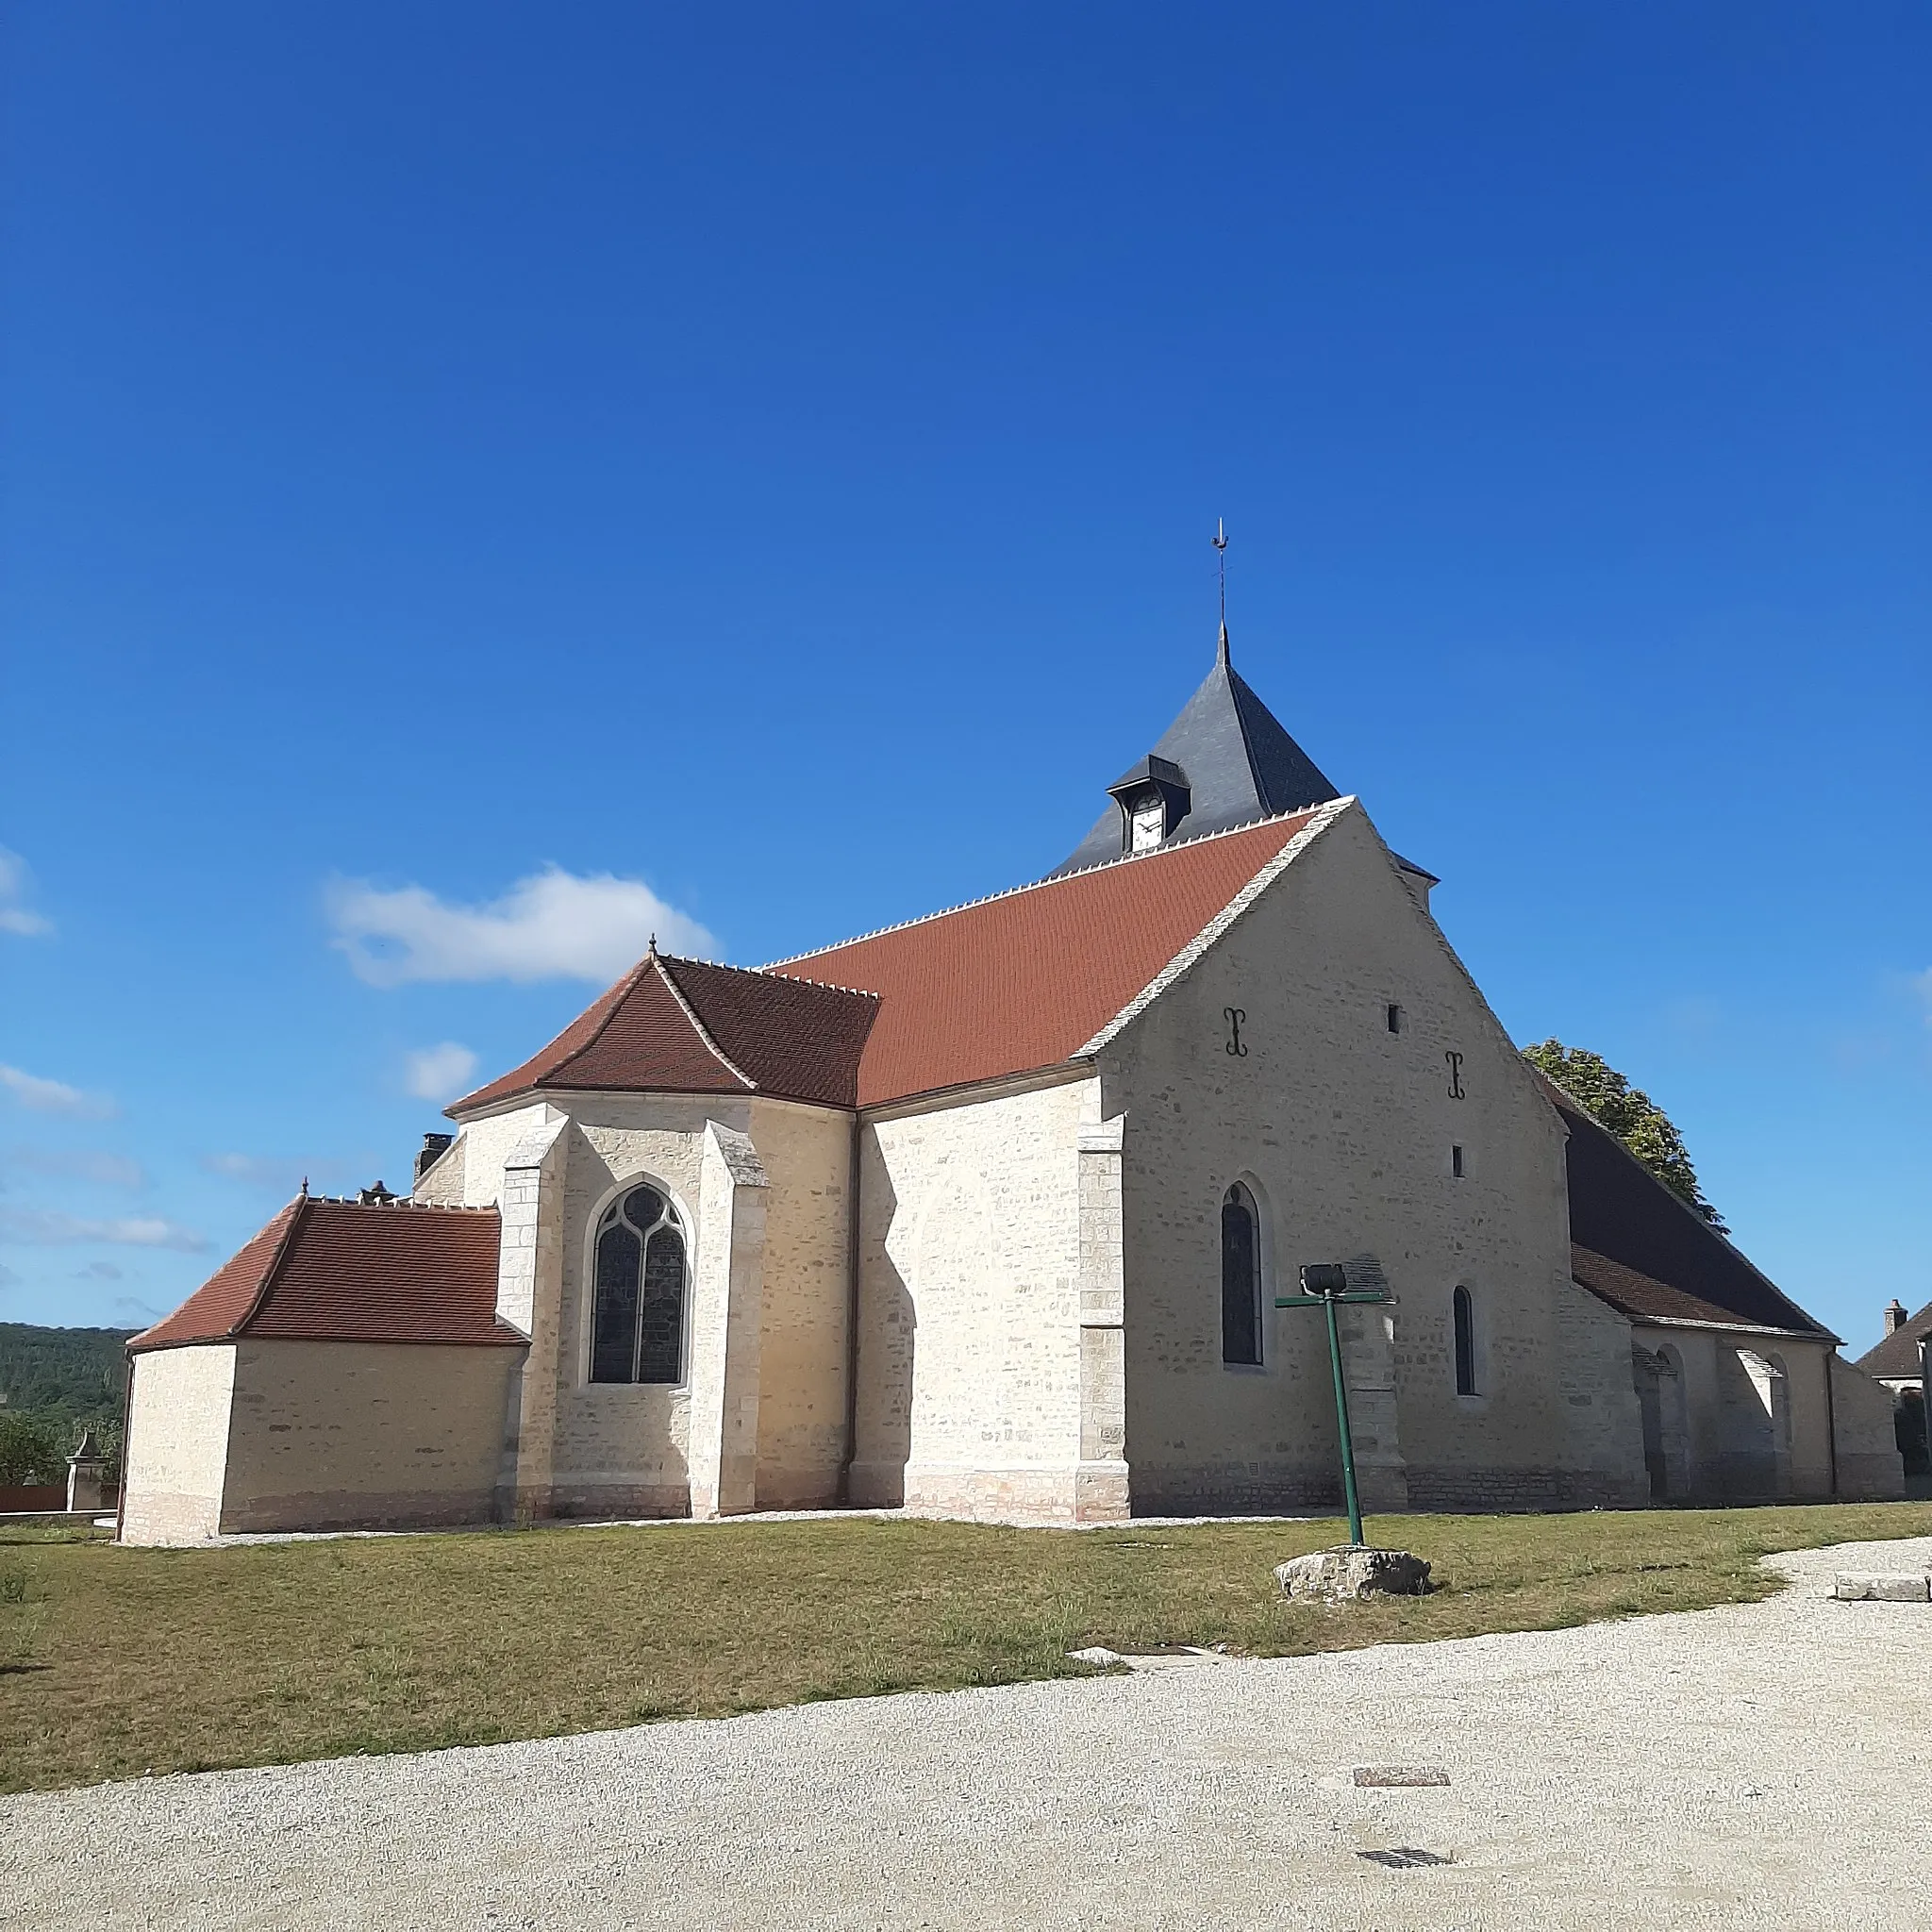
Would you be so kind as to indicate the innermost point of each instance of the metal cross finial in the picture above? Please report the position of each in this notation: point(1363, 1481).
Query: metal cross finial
point(1220, 543)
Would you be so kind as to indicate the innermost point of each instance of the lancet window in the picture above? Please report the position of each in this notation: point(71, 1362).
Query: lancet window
point(637, 1330)
point(1241, 1278)
point(1464, 1311)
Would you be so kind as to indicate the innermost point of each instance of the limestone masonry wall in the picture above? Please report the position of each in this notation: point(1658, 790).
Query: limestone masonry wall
point(362, 1435)
point(806, 1153)
point(177, 1444)
point(622, 1450)
point(1343, 1130)
point(970, 1360)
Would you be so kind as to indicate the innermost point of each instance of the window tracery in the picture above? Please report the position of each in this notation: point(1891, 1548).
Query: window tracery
point(637, 1330)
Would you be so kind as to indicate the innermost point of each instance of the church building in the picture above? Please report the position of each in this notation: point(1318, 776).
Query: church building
point(986, 1215)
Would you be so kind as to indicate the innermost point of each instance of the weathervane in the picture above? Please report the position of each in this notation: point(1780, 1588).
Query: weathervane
point(1220, 543)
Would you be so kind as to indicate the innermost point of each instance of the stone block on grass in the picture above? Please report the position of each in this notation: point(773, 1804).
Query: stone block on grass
point(1343, 1575)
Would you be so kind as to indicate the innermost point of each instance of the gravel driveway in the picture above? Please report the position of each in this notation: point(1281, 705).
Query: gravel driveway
point(1760, 1766)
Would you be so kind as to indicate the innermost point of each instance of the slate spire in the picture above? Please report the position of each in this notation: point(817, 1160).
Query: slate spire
point(1225, 761)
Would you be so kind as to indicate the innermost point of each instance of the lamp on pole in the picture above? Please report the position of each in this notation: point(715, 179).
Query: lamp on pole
point(1325, 1285)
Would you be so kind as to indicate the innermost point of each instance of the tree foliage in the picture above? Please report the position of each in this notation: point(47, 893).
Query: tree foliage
point(28, 1453)
point(1629, 1113)
point(56, 1382)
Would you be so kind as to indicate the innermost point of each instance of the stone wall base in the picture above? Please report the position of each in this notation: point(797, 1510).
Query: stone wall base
point(1256, 1489)
point(157, 1520)
point(1074, 1492)
point(377, 1509)
point(1486, 1492)
point(1876, 1479)
point(616, 1502)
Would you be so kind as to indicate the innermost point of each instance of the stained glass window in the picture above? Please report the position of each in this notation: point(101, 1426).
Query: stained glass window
point(637, 1328)
point(1241, 1278)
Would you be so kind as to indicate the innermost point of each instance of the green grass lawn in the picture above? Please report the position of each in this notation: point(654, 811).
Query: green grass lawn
point(116, 1661)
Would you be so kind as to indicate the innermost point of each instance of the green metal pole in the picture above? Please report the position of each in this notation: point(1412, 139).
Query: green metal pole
point(1355, 1507)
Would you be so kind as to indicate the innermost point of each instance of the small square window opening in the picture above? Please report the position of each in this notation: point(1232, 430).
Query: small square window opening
point(1395, 1019)
point(1456, 1162)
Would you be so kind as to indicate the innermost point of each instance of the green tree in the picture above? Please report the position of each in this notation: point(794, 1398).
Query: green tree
point(1629, 1113)
point(28, 1454)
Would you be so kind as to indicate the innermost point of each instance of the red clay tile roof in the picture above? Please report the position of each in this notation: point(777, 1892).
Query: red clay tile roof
point(1896, 1358)
point(1638, 1247)
point(1027, 979)
point(340, 1270)
point(687, 1026)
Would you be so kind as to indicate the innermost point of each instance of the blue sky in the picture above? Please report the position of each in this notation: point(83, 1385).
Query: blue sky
point(481, 482)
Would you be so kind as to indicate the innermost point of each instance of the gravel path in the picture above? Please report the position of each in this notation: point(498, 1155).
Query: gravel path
point(1760, 1766)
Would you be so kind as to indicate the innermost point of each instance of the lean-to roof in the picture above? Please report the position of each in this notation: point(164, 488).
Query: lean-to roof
point(1640, 1248)
point(349, 1270)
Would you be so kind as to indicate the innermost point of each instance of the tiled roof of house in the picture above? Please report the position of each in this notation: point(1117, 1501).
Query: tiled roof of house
point(343, 1270)
point(1638, 1247)
point(1027, 979)
point(687, 1026)
point(1896, 1358)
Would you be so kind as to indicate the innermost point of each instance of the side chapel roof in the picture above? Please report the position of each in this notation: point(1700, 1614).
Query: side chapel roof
point(675, 1025)
point(349, 1270)
point(1640, 1248)
point(1235, 758)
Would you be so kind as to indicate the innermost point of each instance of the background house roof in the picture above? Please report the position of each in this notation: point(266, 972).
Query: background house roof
point(1896, 1357)
point(1639, 1247)
point(1239, 766)
point(688, 1026)
point(343, 1270)
point(1026, 980)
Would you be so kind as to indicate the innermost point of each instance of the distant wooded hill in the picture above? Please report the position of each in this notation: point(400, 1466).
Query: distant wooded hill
point(64, 1378)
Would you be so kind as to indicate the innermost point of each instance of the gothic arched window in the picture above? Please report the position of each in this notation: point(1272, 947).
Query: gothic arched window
point(1464, 1309)
point(1241, 1278)
point(637, 1326)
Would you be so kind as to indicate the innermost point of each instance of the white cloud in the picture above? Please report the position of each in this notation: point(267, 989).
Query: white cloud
point(439, 1073)
point(46, 1227)
point(81, 1163)
point(14, 917)
point(552, 925)
point(55, 1096)
point(267, 1171)
point(98, 1271)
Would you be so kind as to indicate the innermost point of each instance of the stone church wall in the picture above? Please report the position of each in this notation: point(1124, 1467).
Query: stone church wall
point(970, 1362)
point(806, 1151)
point(1870, 1468)
point(1343, 1131)
point(622, 1450)
point(335, 1435)
point(177, 1444)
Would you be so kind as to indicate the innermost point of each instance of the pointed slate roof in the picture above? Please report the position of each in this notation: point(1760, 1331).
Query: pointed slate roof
point(350, 1271)
point(1240, 764)
point(675, 1025)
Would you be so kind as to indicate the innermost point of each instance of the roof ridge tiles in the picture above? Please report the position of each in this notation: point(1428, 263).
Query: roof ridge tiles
point(858, 992)
point(1060, 878)
point(702, 1031)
